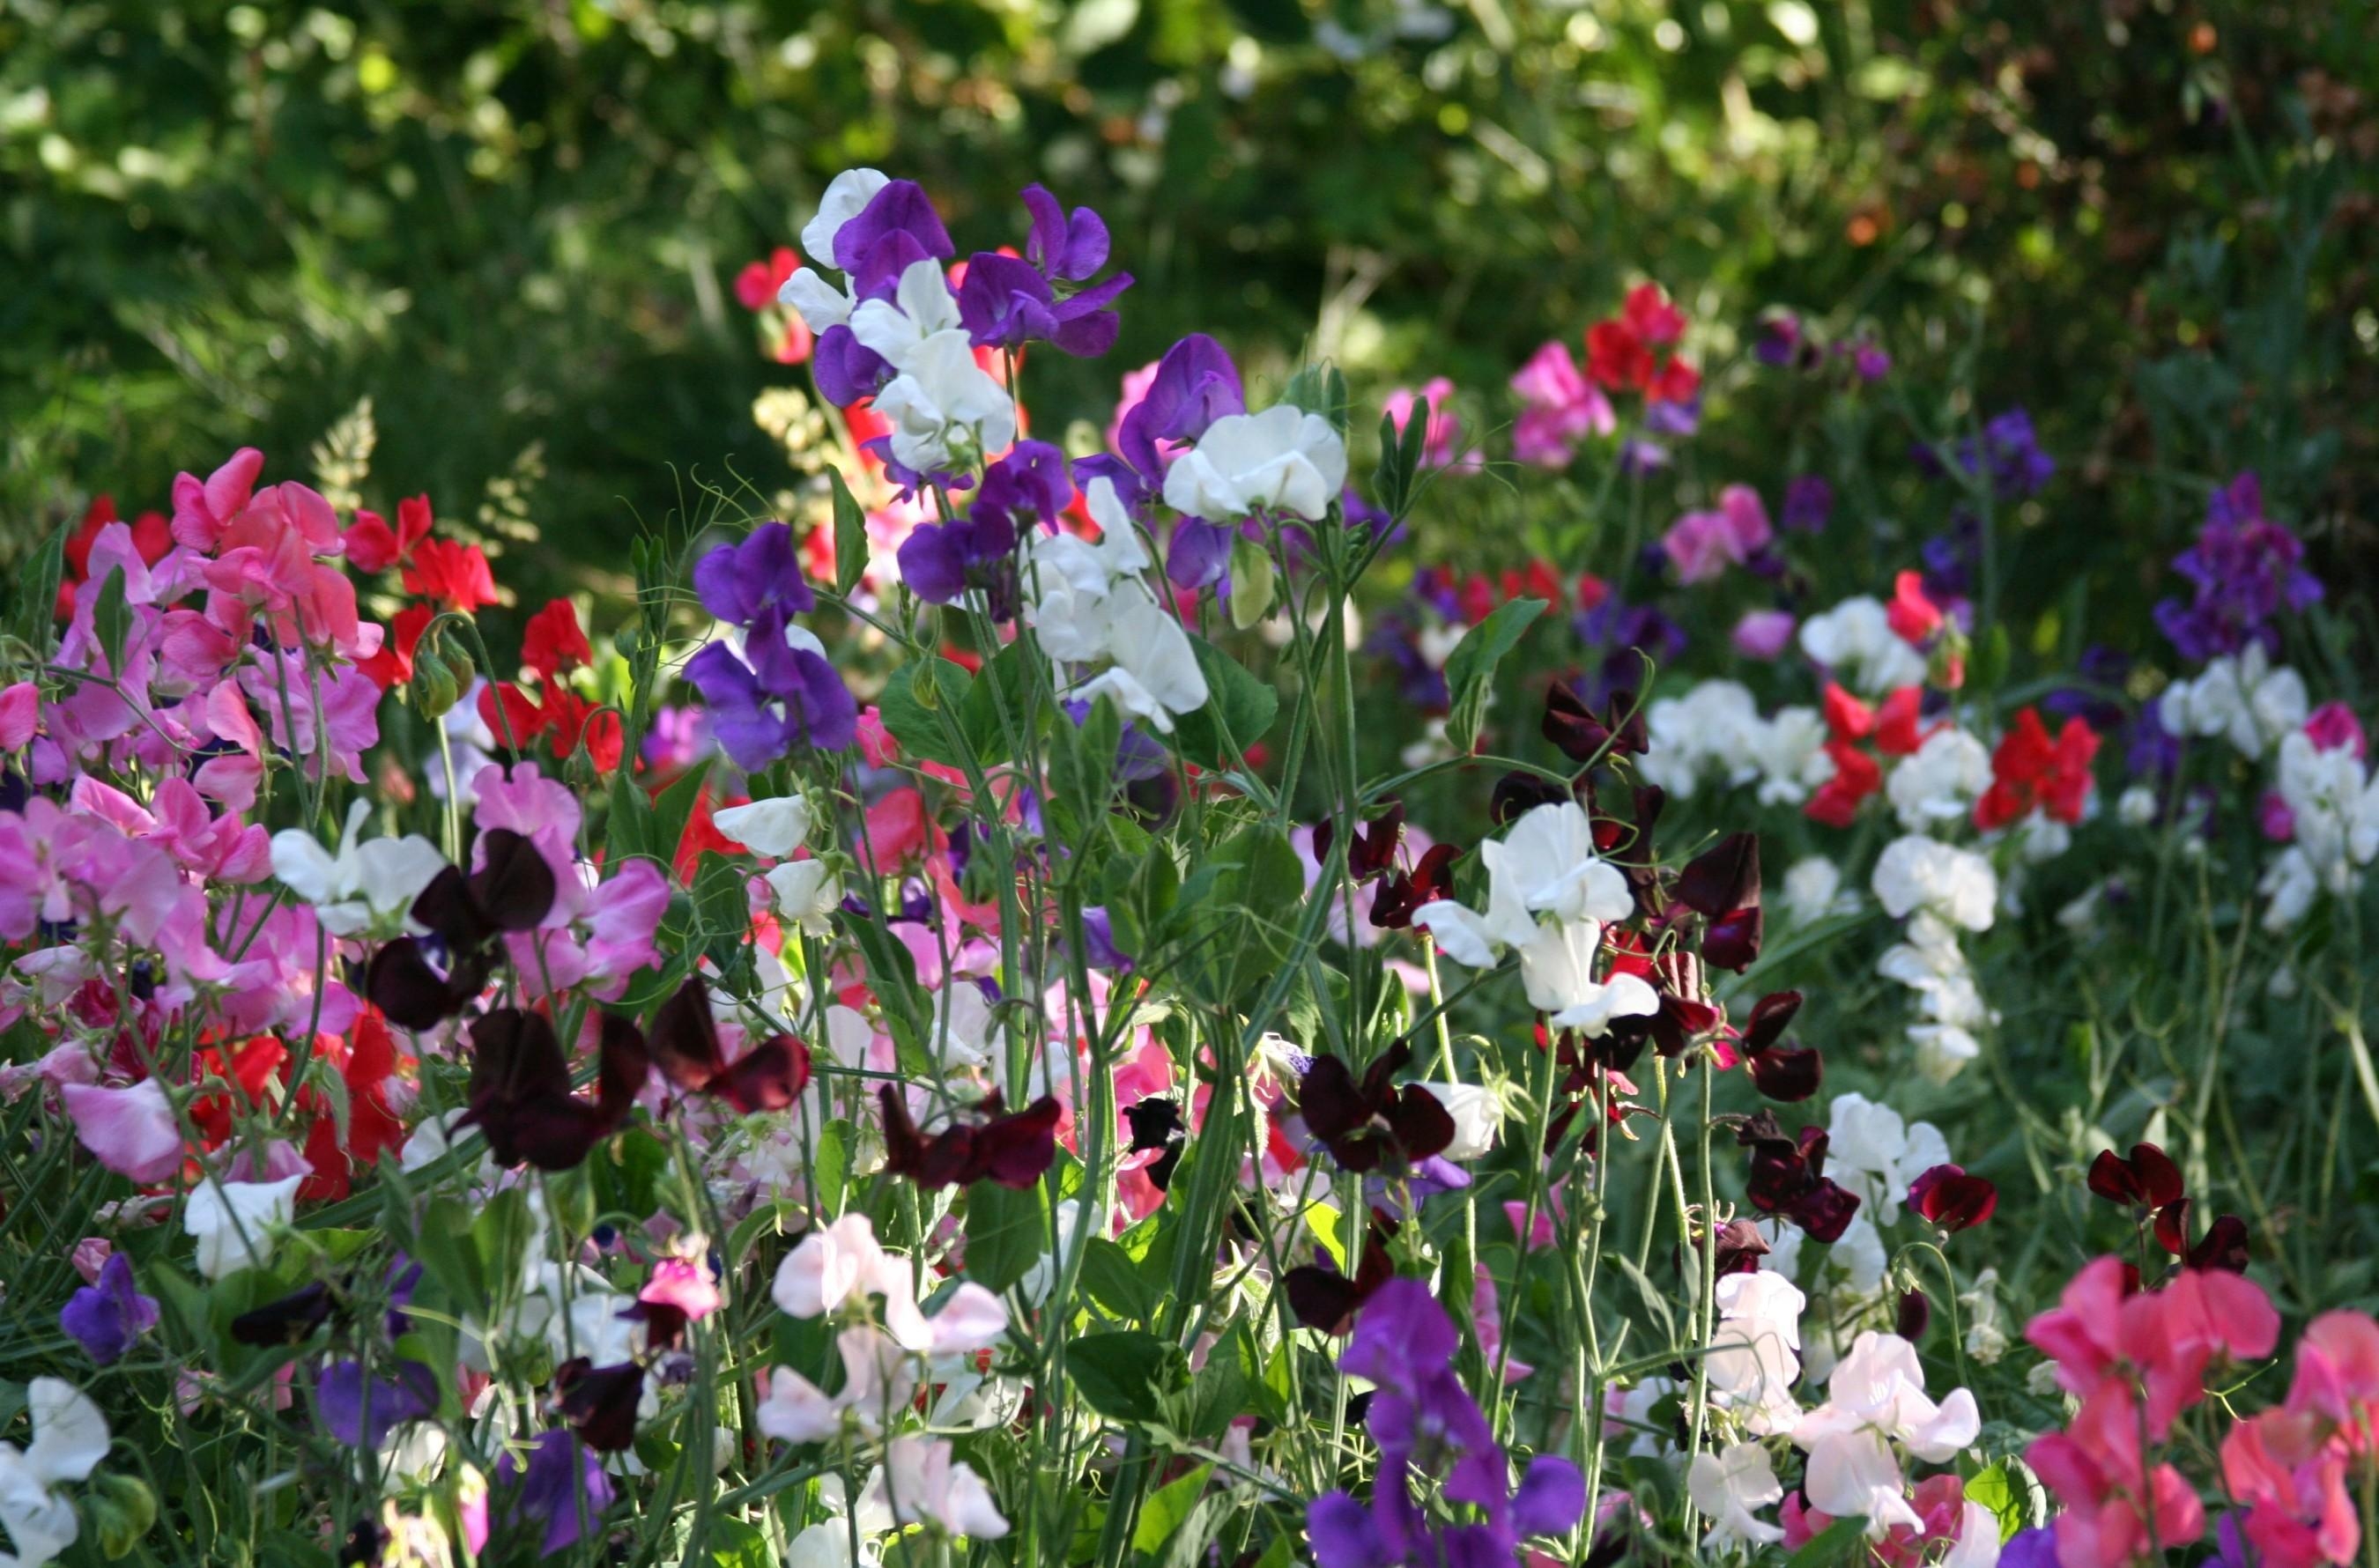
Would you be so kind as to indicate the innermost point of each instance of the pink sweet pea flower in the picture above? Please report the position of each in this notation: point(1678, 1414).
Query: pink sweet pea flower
point(132, 1132)
point(2333, 725)
point(21, 713)
point(1444, 429)
point(1702, 545)
point(1559, 407)
point(202, 510)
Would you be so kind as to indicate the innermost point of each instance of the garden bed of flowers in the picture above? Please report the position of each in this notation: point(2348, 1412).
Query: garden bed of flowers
point(1072, 1001)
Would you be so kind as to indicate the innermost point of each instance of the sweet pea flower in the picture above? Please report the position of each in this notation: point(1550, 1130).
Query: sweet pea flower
point(362, 888)
point(1728, 1485)
point(927, 1486)
point(1763, 635)
point(1281, 460)
point(70, 1438)
point(233, 1221)
point(132, 1132)
point(773, 828)
point(1702, 545)
point(106, 1316)
point(1559, 406)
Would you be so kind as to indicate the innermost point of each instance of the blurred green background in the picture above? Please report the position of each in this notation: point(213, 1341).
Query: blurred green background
point(516, 224)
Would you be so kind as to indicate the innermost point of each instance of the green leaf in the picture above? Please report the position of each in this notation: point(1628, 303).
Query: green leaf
point(734, 1544)
point(123, 1508)
point(2009, 1499)
point(1320, 389)
point(850, 536)
point(1007, 1232)
point(628, 828)
point(1470, 669)
point(1238, 709)
point(1125, 1374)
point(994, 717)
point(1392, 479)
point(672, 811)
point(830, 1163)
point(911, 705)
point(1111, 1280)
point(38, 598)
point(110, 618)
point(1168, 1508)
point(1842, 1541)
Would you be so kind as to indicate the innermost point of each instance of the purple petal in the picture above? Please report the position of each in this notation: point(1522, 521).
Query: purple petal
point(1551, 1498)
point(900, 209)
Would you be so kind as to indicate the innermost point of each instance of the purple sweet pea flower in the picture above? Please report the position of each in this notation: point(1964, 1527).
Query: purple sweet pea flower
point(1025, 488)
point(1195, 384)
point(1808, 502)
point(1426, 1424)
point(739, 582)
point(897, 227)
point(1005, 300)
point(562, 1480)
point(2011, 452)
point(846, 369)
point(2034, 1548)
point(361, 1412)
point(2246, 570)
point(1068, 248)
point(106, 1316)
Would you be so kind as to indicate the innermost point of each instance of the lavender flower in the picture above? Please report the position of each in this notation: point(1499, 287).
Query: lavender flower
point(562, 1480)
point(941, 560)
point(1808, 502)
point(107, 1315)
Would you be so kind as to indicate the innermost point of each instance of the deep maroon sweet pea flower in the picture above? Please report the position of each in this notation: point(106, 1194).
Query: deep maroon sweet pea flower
point(1782, 1071)
point(2148, 1179)
point(1011, 1149)
point(1364, 1123)
point(685, 1045)
point(1069, 247)
point(761, 571)
point(600, 1403)
point(1948, 1197)
point(107, 1315)
point(361, 1412)
point(1324, 1299)
point(520, 1092)
point(1788, 1177)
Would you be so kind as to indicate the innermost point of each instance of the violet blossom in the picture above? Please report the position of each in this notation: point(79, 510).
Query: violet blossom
point(2245, 570)
point(107, 1315)
point(787, 694)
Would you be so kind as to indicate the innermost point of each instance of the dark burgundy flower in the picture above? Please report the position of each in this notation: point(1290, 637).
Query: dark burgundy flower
point(1156, 1124)
point(1584, 735)
point(1722, 884)
point(1366, 1123)
point(1740, 1247)
point(1518, 793)
point(1374, 850)
point(685, 1043)
point(512, 890)
point(521, 1093)
point(1948, 1197)
point(1914, 1313)
point(292, 1320)
point(2147, 1180)
point(1780, 1071)
point(1013, 1150)
point(1324, 1299)
point(1401, 892)
point(1788, 1177)
point(600, 1403)
point(2223, 1246)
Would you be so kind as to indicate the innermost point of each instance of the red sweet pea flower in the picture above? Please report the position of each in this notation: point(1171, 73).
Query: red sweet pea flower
point(758, 284)
point(1857, 775)
point(1623, 351)
point(1914, 617)
point(393, 666)
point(1847, 717)
point(2028, 769)
point(454, 577)
point(552, 643)
point(364, 1061)
point(373, 546)
point(2147, 1180)
point(1899, 723)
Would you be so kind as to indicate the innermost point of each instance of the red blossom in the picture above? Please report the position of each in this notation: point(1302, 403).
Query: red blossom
point(393, 666)
point(1949, 1197)
point(454, 577)
point(1857, 775)
point(1914, 617)
point(552, 643)
point(373, 546)
point(1625, 352)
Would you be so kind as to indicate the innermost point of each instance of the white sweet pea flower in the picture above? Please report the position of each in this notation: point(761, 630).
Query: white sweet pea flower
point(364, 887)
point(1155, 674)
point(1917, 873)
point(2136, 807)
point(1551, 858)
point(1789, 751)
point(234, 1221)
point(2239, 697)
point(1979, 1539)
point(944, 395)
point(807, 893)
point(819, 303)
point(880, 1378)
point(2333, 805)
point(927, 1486)
point(1874, 1400)
point(2289, 885)
point(1856, 641)
point(921, 307)
point(1709, 730)
point(1813, 889)
point(70, 1440)
point(1281, 460)
point(1754, 1348)
point(773, 828)
point(1941, 781)
point(1478, 1115)
point(1727, 1486)
point(828, 1266)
